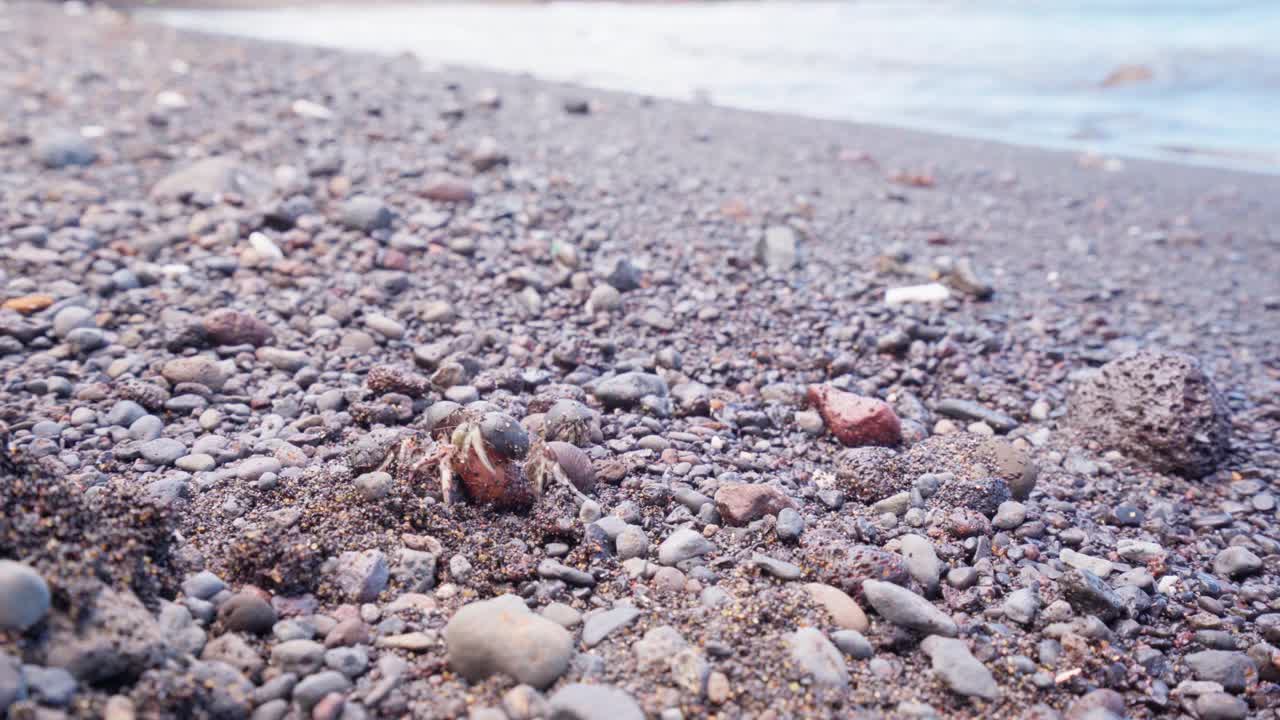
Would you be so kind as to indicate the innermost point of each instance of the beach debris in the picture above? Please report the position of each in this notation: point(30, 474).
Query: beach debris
point(929, 292)
point(1125, 75)
point(308, 109)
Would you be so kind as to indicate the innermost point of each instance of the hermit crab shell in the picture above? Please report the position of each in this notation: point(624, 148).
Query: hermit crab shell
point(575, 463)
point(500, 483)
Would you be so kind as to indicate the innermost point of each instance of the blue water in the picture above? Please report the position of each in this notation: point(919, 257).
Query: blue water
point(1021, 71)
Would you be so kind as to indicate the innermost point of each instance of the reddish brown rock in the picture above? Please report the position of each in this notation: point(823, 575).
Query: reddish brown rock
point(28, 304)
point(232, 327)
point(855, 420)
point(448, 188)
point(351, 631)
point(742, 503)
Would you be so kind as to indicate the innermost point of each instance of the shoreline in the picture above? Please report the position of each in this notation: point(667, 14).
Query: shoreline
point(1087, 158)
point(1241, 159)
point(214, 372)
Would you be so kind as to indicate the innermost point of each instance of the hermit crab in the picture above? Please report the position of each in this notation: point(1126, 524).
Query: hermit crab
point(479, 454)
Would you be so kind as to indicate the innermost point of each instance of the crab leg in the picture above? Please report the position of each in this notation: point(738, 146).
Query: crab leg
point(393, 454)
point(560, 475)
point(446, 483)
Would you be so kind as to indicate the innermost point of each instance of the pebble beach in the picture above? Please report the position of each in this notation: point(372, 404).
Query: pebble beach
point(334, 386)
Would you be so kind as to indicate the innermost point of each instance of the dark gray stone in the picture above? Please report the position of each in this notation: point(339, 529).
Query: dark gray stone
point(627, 390)
point(366, 213)
point(1233, 670)
point(973, 412)
point(1088, 594)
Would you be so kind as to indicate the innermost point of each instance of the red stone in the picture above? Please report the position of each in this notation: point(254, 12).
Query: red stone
point(740, 504)
point(856, 421)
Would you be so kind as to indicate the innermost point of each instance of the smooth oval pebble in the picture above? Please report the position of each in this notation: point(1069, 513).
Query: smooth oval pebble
point(24, 596)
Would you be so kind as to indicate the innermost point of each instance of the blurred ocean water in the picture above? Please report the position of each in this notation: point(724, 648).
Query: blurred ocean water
point(1196, 80)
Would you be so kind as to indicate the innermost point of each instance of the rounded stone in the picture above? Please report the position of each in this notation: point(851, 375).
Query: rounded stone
point(24, 596)
point(502, 636)
point(247, 612)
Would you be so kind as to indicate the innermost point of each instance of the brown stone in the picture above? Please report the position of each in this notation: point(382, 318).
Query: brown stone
point(28, 304)
point(742, 503)
point(448, 188)
point(346, 633)
point(843, 610)
point(231, 327)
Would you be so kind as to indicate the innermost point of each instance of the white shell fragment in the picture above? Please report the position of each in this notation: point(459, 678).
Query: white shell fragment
point(932, 292)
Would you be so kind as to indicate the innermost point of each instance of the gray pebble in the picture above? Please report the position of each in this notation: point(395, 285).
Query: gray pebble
point(600, 625)
point(301, 657)
point(1221, 706)
point(777, 568)
point(488, 637)
point(13, 686)
point(1009, 515)
point(1233, 670)
point(853, 644)
point(816, 658)
point(1022, 605)
point(271, 710)
point(682, 545)
point(203, 585)
point(63, 148)
point(959, 669)
point(1088, 594)
point(922, 561)
point(790, 525)
point(71, 317)
point(1236, 562)
point(628, 389)
point(162, 451)
point(147, 427)
point(365, 213)
point(86, 340)
point(350, 661)
point(374, 486)
point(904, 608)
point(254, 468)
point(24, 596)
point(631, 543)
point(50, 686)
point(312, 689)
point(362, 576)
point(579, 701)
